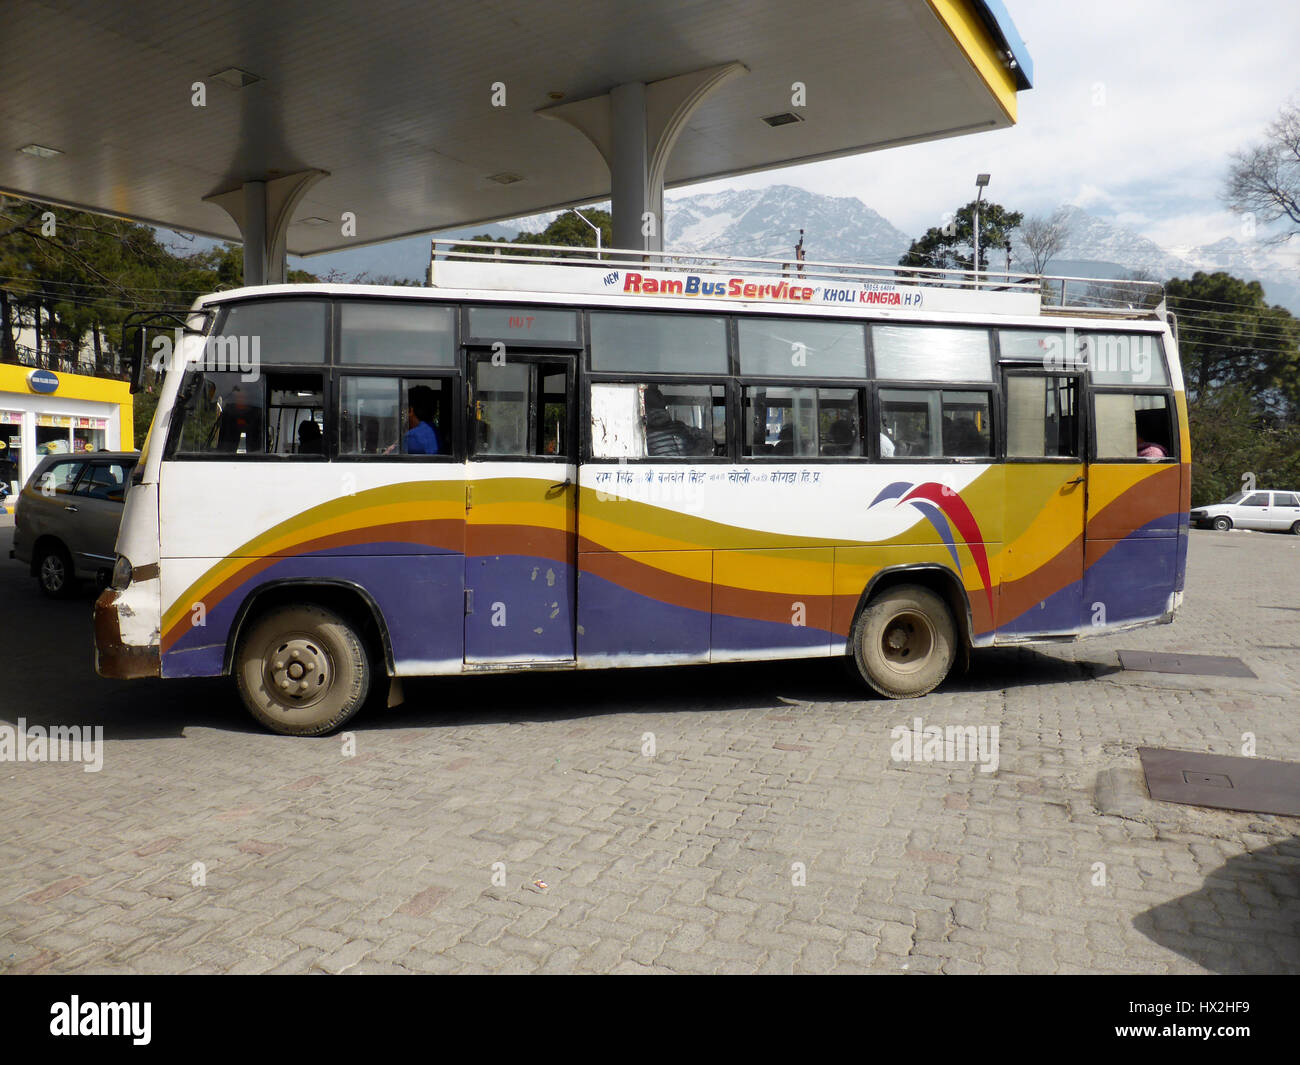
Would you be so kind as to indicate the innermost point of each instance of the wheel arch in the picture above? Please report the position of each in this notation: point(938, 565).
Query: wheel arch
point(939, 579)
point(346, 598)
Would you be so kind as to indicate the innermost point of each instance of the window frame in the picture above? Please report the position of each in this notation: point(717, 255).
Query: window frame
point(729, 396)
point(1093, 390)
point(565, 356)
point(466, 339)
point(325, 368)
point(1082, 430)
point(996, 435)
point(333, 433)
point(336, 334)
point(632, 376)
point(861, 387)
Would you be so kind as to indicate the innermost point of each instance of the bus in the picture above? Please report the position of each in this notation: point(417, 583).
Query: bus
point(556, 459)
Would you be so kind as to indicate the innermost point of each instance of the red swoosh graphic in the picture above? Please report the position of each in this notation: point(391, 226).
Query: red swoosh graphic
point(959, 514)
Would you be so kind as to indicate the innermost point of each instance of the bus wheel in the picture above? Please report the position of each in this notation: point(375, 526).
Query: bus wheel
point(905, 641)
point(302, 670)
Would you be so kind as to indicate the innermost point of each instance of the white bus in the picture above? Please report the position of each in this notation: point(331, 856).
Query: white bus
point(542, 462)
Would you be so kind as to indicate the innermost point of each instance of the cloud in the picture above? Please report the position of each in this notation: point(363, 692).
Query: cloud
point(1135, 111)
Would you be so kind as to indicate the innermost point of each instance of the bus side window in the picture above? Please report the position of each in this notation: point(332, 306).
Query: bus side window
point(521, 409)
point(802, 422)
point(223, 413)
point(1133, 425)
point(658, 420)
point(395, 416)
point(933, 423)
point(295, 414)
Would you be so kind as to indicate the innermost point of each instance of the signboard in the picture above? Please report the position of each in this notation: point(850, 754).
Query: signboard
point(43, 381)
point(867, 295)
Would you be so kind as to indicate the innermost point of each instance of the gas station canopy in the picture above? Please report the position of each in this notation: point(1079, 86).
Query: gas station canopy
point(274, 123)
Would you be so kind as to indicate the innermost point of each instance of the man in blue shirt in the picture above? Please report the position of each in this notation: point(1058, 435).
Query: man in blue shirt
point(421, 438)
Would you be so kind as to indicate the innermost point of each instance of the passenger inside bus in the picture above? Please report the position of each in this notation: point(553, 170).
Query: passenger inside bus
point(309, 438)
point(666, 435)
point(1152, 433)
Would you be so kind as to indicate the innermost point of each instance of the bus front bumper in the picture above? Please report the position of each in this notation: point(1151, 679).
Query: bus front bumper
point(114, 657)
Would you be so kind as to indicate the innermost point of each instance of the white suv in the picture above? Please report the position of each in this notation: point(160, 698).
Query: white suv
point(1267, 511)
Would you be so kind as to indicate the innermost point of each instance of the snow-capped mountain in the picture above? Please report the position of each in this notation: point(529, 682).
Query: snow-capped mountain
point(1098, 248)
point(765, 223)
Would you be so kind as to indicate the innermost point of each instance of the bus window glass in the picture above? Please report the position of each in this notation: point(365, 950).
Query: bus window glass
point(798, 347)
point(295, 414)
point(658, 343)
point(501, 408)
point(1123, 358)
point(804, 422)
point(929, 423)
point(523, 324)
point(270, 332)
point(931, 353)
point(396, 333)
point(1132, 426)
point(1046, 349)
point(395, 416)
point(369, 415)
point(223, 414)
point(658, 420)
point(1041, 417)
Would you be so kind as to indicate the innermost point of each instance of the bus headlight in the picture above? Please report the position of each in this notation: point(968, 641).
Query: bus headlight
point(121, 573)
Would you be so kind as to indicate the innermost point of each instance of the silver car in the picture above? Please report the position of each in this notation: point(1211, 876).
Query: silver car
point(66, 518)
point(1265, 511)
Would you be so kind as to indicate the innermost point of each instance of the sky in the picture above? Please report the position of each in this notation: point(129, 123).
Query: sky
point(1136, 108)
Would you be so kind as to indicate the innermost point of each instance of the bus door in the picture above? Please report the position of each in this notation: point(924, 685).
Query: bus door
point(520, 517)
point(1134, 504)
point(1042, 571)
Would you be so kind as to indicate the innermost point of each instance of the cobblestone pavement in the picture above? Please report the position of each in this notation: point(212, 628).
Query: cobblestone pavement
point(515, 824)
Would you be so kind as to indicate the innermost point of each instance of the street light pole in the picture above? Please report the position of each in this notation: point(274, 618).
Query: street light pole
point(981, 182)
point(593, 226)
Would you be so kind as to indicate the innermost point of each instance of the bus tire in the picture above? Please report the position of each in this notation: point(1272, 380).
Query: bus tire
point(302, 670)
point(905, 642)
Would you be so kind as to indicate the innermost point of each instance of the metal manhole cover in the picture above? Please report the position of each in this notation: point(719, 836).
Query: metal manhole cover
point(1224, 782)
point(1194, 665)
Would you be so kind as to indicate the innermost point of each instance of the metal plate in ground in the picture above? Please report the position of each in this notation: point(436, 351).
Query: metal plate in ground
point(1195, 665)
point(1258, 785)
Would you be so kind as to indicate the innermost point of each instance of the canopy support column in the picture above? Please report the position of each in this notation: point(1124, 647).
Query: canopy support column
point(262, 210)
point(634, 127)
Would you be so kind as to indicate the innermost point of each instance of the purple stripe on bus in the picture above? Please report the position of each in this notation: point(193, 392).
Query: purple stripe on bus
point(419, 598)
point(616, 621)
point(523, 608)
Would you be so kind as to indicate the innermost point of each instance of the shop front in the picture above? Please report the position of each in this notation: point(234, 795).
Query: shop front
point(44, 413)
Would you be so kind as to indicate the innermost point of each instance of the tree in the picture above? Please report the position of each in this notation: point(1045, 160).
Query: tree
point(1229, 336)
point(1042, 238)
point(951, 247)
point(75, 273)
point(1264, 180)
point(565, 230)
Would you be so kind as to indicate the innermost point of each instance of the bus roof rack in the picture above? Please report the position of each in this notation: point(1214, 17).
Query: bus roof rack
point(1079, 296)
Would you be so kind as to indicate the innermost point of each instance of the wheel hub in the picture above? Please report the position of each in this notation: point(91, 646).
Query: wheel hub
point(298, 671)
point(907, 641)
